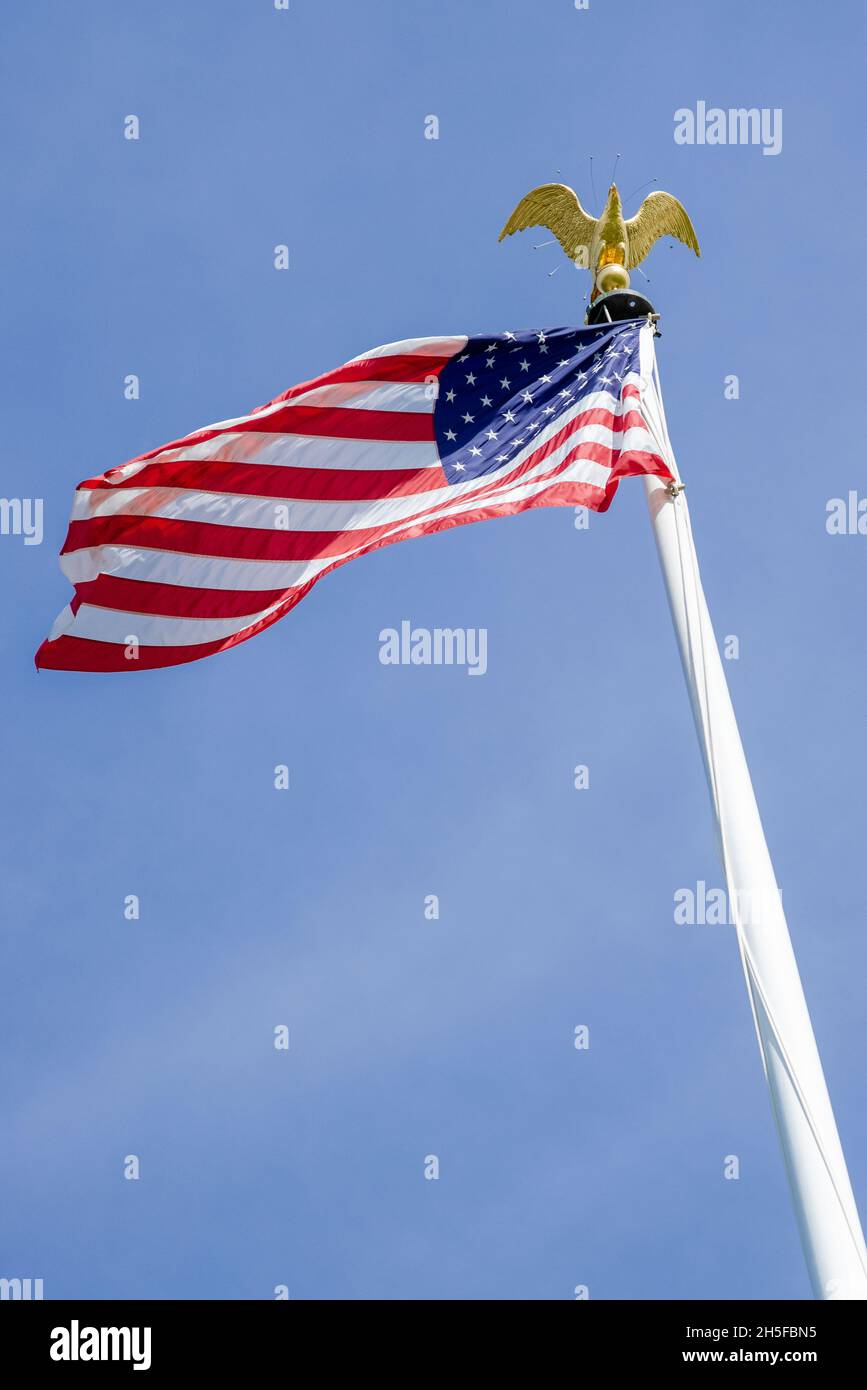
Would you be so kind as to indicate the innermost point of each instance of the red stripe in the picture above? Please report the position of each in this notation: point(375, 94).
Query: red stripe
point(385, 365)
point(255, 543)
point(400, 367)
point(267, 480)
point(84, 654)
point(636, 463)
point(181, 601)
point(173, 600)
point(596, 453)
point(203, 538)
point(601, 415)
point(314, 420)
point(338, 422)
point(272, 480)
point(408, 368)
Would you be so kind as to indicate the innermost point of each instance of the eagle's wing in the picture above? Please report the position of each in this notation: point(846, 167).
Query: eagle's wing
point(659, 215)
point(556, 207)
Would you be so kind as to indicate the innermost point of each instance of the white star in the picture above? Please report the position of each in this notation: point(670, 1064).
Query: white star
point(486, 400)
point(459, 468)
point(471, 380)
point(468, 419)
point(489, 361)
point(544, 378)
point(502, 458)
point(543, 348)
point(492, 347)
point(464, 358)
point(541, 336)
point(505, 383)
point(564, 362)
point(533, 425)
point(491, 434)
point(549, 410)
point(509, 416)
point(450, 434)
point(509, 335)
point(525, 396)
point(475, 452)
point(450, 395)
point(524, 364)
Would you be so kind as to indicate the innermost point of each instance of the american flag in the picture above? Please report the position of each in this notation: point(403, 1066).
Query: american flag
point(198, 545)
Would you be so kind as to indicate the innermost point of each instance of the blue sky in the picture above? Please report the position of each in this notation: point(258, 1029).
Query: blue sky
point(408, 1037)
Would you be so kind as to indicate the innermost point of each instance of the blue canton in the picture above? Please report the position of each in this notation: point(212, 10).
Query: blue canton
point(502, 390)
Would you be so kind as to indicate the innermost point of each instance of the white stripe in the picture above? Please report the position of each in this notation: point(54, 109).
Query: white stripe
point(258, 513)
point(312, 451)
point(409, 347)
point(110, 625)
point(117, 626)
point(188, 571)
point(114, 625)
point(231, 509)
point(243, 575)
point(415, 347)
point(220, 572)
point(286, 514)
point(62, 624)
point(581, 471)
point(638, 440)
point(414, 396)
point(295, 451)
point(261, 414)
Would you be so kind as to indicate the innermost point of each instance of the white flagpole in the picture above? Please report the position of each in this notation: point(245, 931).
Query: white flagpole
point(822, 1194)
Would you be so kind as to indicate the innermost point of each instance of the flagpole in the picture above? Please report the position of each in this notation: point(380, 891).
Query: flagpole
point(824, 1203)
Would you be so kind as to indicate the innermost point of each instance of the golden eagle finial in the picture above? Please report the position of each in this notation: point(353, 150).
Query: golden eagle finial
point(608, 246)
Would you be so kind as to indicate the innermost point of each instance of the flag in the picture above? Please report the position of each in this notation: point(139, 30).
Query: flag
point(198, 545)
